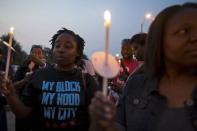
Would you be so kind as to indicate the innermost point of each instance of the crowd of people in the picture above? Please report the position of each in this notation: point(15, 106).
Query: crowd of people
point(154, 91)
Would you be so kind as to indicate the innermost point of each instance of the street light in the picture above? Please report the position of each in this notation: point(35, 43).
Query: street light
point(148, 16)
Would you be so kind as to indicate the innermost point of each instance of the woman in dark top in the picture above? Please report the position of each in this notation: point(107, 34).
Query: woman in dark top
point(58, 95)
point(33, 62)
point(165, 98)
point(138, 43)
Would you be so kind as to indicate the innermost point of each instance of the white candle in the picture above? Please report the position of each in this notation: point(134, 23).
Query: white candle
point(9, 52)
point(107, 24)
point(107, 17)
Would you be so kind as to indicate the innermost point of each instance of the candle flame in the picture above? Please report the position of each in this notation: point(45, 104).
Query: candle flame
point(119, 61)
point(107, 17)
point(117, 55)
point(11, 30)
point(148, 16)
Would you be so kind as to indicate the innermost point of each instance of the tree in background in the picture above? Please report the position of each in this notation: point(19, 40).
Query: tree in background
point(18, 56)
point(48, 54)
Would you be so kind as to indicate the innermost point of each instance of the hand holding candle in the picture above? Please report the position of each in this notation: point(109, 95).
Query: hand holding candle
point(9, 52)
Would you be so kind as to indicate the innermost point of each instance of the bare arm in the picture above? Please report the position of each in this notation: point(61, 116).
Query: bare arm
point(17, 106)
point(18, 85)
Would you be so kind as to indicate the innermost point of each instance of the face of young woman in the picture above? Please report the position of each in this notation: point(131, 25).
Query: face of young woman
point(65, 50)
point(38, 53)
point(180, 39)
point(138, 51)
point(126, 51)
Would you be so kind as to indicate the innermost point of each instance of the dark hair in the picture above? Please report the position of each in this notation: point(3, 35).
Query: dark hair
point(154, 55)
point(125, 41)
point(139, 39)
point(80, 41)
point(35, 46)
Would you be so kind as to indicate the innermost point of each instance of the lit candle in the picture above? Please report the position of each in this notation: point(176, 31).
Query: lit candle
point(9, 52)
point(107, 18)
point(107, 24)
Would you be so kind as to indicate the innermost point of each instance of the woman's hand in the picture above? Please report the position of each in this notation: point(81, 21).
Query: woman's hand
point(102, 112)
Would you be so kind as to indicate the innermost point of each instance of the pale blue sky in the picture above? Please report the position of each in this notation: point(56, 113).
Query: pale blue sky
point(35, 21)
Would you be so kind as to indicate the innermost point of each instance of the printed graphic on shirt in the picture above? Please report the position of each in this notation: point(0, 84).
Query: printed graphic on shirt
point(60, 100)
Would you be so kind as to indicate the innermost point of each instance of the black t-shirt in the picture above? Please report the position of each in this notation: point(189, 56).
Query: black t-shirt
point(60, 99)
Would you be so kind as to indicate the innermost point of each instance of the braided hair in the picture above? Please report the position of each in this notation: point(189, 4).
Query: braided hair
point(80, 41)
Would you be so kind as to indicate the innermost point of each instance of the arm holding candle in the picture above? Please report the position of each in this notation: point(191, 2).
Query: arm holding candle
point(15, 103)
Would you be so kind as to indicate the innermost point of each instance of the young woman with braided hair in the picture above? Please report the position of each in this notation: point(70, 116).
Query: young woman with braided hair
point(58, 95)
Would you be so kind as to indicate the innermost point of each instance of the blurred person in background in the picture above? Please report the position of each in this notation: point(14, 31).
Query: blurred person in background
point(138, 43)
point(33, 62)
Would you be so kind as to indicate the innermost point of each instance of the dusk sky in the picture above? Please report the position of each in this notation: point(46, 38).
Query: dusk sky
point(36, 21)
